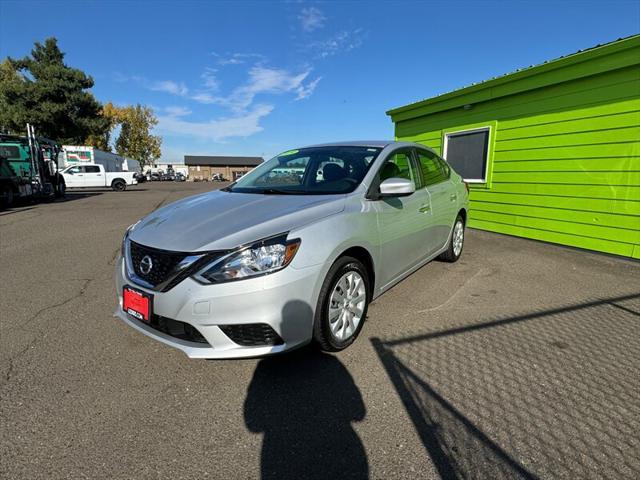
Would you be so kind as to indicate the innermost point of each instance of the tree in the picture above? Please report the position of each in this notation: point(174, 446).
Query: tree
point(114, 116)
point(136, 140)
point(9, 79)
point(40, 89)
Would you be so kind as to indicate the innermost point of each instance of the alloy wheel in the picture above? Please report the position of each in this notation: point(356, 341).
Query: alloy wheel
point(458, 238)
point(346, 305)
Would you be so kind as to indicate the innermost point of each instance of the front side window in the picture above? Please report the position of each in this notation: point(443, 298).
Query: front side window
point(310, 171)
point(399, 165)
point(432, 168)
point(10, 152)
point(467, 153)
point(75, 170)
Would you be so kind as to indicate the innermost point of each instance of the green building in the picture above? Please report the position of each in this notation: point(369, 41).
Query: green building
point(551, 152)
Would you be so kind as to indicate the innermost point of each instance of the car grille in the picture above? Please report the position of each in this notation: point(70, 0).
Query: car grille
point(164, 263)
point(252, 334)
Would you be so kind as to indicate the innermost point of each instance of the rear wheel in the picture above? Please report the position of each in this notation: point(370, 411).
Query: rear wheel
point(456, 242)
point(342, 305)
point(119, 186)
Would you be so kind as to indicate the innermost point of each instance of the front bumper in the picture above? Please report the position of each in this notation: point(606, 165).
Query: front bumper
point(284, 300)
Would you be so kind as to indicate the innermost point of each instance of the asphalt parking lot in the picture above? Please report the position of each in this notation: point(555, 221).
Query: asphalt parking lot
point(521, 360)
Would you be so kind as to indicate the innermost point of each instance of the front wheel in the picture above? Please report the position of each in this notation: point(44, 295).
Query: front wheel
point(61, 189)
point(342, 305)
point(6, 199)
point(119, 186)
point(456, 242)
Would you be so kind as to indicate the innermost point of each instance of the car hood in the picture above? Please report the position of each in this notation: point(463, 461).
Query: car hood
point(222, 220)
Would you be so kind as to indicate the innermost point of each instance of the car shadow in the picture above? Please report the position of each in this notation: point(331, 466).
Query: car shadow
point(78, 195)
point(304, 403)
point(25, 204)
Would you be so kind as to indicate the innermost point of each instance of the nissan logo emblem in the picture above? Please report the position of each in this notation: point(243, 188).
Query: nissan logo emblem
point(146, 264)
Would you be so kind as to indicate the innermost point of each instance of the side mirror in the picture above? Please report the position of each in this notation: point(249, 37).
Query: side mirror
point(396, 187)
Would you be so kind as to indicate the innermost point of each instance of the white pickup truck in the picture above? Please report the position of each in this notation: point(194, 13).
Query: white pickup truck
point(91, 175)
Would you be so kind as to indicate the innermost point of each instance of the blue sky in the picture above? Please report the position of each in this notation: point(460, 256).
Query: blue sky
point(256, 78)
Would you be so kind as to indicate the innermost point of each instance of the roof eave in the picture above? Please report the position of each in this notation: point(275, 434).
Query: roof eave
point(551, 65)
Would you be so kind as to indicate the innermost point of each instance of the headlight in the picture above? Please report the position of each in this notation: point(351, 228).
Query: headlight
point(261, 258)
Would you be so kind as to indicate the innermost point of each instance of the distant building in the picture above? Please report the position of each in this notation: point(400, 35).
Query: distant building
point(112, 162)
point(232, 168)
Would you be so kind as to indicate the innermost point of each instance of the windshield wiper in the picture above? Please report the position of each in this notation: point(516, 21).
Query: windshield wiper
point(277, 191)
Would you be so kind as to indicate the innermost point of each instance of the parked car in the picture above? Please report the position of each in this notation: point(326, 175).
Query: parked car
point(273, 262)
point(91, 175)
point(180, 177)
point(141, 177)
point(168, 177)
point(155, 177)
point(218, 177)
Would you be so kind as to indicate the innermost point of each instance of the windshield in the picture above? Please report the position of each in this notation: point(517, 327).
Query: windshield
point(310, 171)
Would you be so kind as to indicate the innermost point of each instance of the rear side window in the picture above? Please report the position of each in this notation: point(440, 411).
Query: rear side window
point(92, 169)
point(432, 168)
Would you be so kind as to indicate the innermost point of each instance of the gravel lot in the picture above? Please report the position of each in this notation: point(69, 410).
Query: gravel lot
point(520, 361)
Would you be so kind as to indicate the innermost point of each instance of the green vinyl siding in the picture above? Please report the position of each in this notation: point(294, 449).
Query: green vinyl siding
point(564, 150)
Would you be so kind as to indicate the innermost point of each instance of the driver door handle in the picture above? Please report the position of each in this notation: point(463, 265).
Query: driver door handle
point(453, 197)
point(425, 208)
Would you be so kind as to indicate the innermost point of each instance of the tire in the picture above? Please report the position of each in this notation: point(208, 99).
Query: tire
point(456, 242)
point(7, 197)
point(327, 334)
point(61, 191)
point(118, 185)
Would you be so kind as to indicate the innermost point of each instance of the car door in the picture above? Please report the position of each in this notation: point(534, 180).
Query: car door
point(74, 177)
point(435, 176)
point(93, 176)
point(402, 221)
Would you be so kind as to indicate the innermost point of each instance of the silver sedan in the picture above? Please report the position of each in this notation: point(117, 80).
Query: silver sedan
point(291, 253)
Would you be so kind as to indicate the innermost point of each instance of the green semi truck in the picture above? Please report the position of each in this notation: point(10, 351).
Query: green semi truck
point(29, 168)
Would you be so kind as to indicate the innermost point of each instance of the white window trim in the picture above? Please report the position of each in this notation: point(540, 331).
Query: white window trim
point(471, 130)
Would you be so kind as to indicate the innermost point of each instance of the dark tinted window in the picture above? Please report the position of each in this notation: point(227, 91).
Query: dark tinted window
point(9, 151)
point(431, 167)
point(466, 152)
point(92, 169)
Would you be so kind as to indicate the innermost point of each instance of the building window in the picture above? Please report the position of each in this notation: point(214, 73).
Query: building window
point(467, 153)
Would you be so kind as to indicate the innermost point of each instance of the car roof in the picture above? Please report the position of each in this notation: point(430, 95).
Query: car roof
point(355, 143)
point(372, 143)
